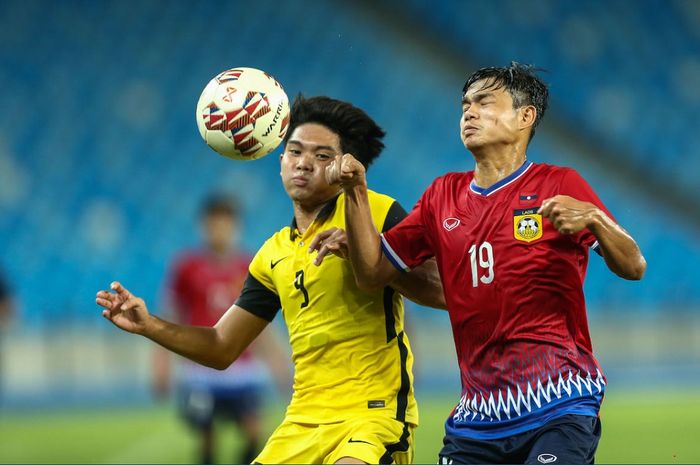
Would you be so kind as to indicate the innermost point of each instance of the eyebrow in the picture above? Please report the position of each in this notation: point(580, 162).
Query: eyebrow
point(477, 97)
point(317, 147)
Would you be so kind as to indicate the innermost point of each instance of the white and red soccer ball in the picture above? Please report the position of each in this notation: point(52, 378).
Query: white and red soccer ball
point(243, 113)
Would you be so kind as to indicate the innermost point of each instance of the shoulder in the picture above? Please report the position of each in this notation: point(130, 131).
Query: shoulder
point(377, 199)
point(554, 171)
point(449, 182)
point(275, 241)
point(187, 260)
point(452, 179)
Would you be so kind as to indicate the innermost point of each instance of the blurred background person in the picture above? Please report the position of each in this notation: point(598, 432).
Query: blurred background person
point(7, 310)
point(203, 284)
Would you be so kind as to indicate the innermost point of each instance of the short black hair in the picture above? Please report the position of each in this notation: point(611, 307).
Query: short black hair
point(220, 204)
point(359, 134)
point(521, 82)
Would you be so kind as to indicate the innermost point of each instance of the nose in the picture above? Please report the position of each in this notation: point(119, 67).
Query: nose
point(304, 162)
point(469, 112)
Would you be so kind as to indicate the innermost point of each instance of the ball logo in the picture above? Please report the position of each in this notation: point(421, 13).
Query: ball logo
point(450, 223)
point(546, 458)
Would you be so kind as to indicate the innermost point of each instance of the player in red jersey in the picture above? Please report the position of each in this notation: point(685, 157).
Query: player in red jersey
point(511, 239)
point(202, 285)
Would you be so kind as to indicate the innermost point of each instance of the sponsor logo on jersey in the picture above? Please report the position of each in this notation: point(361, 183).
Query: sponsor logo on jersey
point(358, 440)
point(450, 223)
point(274, 263)
point(527, 224)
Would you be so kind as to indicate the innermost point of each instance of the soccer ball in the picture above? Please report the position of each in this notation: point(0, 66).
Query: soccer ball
point(243, 113)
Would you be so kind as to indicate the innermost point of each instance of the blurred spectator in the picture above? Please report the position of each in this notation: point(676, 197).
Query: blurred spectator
point(6, 311)
point(202, 285)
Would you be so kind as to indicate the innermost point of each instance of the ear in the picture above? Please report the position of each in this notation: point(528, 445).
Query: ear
point(527, 117)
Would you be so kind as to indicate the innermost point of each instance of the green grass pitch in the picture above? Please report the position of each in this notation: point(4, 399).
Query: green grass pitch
point(637, 428)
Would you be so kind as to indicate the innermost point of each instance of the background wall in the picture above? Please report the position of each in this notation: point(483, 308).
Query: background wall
point(102, 168)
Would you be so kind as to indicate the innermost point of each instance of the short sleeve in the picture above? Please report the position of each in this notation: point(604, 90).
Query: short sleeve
point(257, 299)
point(406, 244)
point(573, 185)
point(395, 214)
point(259, 295)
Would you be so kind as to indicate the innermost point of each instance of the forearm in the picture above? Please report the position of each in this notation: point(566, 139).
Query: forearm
point(620, 252)
point(197, 343)
point(422, 285)
point(363, 240)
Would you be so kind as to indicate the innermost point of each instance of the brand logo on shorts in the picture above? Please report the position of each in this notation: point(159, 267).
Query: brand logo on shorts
point(546, 458)
point(450, 223)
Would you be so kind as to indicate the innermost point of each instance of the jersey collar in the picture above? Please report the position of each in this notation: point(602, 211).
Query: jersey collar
point(502, 183)
point(322, 215)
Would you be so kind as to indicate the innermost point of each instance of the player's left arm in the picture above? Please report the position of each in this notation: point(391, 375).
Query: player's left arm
point(619, 250)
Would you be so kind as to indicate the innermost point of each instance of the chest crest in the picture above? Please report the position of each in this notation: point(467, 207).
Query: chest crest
point(527, 224)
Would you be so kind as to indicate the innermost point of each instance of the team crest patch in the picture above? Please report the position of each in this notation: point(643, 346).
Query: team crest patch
point(527, 224)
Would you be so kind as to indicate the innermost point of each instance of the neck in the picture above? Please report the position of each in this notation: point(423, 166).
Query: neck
point(219, 252)
point(305, 214)
point(494, 164)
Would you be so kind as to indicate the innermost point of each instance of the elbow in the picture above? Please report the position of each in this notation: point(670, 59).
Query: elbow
point(639, 269)
point(222, 363)
point(636, 271)
point(368, 285)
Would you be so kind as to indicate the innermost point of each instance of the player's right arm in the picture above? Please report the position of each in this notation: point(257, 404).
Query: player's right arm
point(216, 347)
point(371, 267)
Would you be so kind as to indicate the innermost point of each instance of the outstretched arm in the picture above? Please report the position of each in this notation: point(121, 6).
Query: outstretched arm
point(620, 251)
point(216, 347)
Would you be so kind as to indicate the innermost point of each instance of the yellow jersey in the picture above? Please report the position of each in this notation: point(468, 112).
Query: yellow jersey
point(350, 352)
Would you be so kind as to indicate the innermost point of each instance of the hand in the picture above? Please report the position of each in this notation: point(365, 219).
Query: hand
point(333, 241)
point(122, 308)
point(568, 215)
point(346, 171)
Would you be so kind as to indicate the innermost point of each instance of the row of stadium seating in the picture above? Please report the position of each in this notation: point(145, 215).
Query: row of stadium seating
point(102, 168)
point(624, 72)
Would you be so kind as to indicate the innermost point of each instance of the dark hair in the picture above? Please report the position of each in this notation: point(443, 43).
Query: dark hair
point(220, 204)
point(359, 134)
point(521, 83)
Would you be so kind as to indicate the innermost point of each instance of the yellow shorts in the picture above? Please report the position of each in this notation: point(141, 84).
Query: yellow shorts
point(370, 439)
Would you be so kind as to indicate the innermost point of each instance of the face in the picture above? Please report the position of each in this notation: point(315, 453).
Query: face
point(310, 148)
point(488, 117)
point(220, 231)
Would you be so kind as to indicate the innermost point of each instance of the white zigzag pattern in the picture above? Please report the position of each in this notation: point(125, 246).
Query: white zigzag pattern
point(496, 407)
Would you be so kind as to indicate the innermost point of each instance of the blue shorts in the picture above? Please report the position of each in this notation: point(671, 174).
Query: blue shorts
point(566, 440)
point(199, 404)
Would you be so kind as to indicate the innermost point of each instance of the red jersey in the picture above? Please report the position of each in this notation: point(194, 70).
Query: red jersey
point(203, 286)
point(514, 289)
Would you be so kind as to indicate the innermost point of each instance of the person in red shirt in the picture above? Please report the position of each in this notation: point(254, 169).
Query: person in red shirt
point(511, 240)
point(201, 287)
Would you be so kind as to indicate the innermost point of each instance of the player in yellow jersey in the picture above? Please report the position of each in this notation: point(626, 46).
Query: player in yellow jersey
point(353, 386)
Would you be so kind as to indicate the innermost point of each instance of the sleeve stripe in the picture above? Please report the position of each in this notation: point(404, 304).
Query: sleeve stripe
point(393, 256)
point(596, 247)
